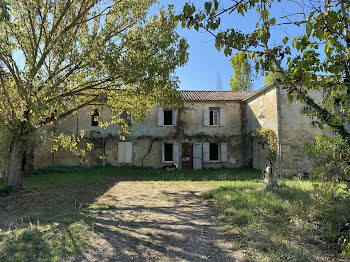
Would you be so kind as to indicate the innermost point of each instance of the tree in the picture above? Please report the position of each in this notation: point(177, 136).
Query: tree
point(323, 46)
point(81, 53)
point(273, 75)
point(242, 78)
point(4, 11)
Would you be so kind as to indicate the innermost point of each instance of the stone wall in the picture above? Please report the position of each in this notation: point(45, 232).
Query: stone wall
point(261, 112)
point(297, 129)
point(147, 137)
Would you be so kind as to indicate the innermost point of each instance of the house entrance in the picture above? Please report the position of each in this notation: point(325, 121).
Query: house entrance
point(187, 157)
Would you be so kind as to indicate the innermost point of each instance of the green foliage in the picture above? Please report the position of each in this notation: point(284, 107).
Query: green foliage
point(4, 11)
point(242, 79)
point(323, 47)
point(85, 55)
point(273, 75)
point(332, 174)
point(268, 136)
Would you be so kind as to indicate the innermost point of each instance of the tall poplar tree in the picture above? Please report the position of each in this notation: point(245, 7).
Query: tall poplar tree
point(242, 73)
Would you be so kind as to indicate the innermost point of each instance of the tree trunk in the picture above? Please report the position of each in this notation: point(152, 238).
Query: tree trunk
point(15, 164)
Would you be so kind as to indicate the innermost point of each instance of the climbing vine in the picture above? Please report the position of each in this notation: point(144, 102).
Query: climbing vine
point(268, 136)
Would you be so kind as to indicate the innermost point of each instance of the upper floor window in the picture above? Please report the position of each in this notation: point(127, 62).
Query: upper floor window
point(166, 118)
point(214, 116)
point(94, 118)
point(338, 104)
point(126, 118)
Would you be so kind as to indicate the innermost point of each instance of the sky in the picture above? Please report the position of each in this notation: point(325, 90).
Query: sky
point(205, 63)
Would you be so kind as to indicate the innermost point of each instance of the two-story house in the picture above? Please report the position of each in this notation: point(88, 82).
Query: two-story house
point(213, 129)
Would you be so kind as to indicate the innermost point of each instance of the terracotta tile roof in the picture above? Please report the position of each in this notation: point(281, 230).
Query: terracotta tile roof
point(216, 95)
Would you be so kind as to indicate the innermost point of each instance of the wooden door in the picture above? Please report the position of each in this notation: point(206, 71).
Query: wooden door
point(187, 157)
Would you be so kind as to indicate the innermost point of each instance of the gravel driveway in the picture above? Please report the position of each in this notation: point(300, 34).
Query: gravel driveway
point(139, 221)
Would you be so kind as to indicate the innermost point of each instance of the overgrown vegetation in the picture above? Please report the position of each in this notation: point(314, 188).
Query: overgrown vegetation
point(268, 136)
point(332, 174)
point(277, 225)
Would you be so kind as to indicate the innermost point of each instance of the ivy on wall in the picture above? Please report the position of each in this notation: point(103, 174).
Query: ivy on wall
point(268, 136)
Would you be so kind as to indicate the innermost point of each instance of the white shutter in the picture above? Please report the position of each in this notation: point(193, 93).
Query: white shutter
point(121, 152)
point(223, 151)
point(174, 118)
point(124, 152)
point(128, 152)
point(176, 152)
point(163, 153)
point(205, 152)
point(206, 117)
point(160, 119)
point(197, 155)
point(222, 117)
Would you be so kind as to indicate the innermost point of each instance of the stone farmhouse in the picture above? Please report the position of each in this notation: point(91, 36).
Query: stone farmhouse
point(214, 129)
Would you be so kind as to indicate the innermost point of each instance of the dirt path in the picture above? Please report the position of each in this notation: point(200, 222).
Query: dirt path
point(158, 222)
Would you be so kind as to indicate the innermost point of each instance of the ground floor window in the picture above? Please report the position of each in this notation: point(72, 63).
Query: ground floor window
point(214, 152)
point(168, 152)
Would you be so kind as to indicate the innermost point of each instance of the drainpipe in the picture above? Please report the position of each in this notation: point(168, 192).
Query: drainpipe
point(279, 116)
point(243, 129)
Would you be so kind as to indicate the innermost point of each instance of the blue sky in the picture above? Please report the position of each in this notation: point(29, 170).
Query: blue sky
point(205, 62)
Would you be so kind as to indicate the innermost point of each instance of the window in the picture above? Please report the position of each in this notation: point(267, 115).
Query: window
point(214, 152)
point(168, 152)
point(214, 117)
point(168, 117)
point(338, 104)
point(126, 118)
point(94, 118)
point(124, 152)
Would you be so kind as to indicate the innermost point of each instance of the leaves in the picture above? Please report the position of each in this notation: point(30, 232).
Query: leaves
point(85, 54)
point(242, 79)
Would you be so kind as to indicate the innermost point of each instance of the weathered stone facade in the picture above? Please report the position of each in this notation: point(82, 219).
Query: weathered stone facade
point(213, 129)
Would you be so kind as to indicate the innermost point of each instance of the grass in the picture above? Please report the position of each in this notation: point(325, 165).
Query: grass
point(279, 225)
point(51, 221)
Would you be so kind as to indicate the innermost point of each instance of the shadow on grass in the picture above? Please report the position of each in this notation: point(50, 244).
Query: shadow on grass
point(55, 219)
point(273, 225)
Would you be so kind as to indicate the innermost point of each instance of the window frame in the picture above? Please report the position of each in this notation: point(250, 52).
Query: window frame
point(168, 113)
point(95, 122)
point(219, 154)
point(172, 153)
point(212, 114)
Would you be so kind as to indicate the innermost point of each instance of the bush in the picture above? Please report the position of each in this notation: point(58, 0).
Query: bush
point(332, 176)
